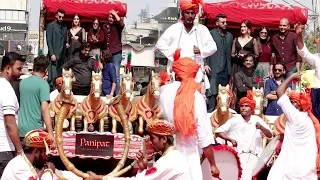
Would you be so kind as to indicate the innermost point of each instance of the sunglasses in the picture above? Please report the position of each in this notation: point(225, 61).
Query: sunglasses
point(95, 23)
point(263, 32)
point(280, 70)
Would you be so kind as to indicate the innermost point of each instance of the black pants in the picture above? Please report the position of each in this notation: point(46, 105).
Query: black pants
point(83, 91)
point(223, 79)
point(5, 157)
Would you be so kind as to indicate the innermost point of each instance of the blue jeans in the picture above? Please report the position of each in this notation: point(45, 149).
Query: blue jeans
point(116, 60)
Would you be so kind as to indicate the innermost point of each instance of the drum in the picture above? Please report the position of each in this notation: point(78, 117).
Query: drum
point(248, 161)
point(267, 157)
point(227, 161)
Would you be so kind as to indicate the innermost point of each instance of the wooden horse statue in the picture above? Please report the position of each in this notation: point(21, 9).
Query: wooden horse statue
point(147, 107)
point(222, 113)
point(126, 88)
point(93, 108)
point(258, 95)
point(66, 95)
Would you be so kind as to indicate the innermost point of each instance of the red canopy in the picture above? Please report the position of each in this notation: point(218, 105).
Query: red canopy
point(259, 12)
point(86, 9)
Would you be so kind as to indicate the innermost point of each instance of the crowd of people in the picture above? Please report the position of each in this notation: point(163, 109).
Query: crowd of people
point(196, 57)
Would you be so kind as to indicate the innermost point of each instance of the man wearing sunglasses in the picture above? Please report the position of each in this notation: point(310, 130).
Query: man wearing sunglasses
point(279, 72)
point(56, 34)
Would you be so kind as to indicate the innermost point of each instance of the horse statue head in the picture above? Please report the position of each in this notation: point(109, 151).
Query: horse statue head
point(96, 84)
point(67, 81)
point(127, 86)
point(258, 95)
point(154, 85)
point(223, 98)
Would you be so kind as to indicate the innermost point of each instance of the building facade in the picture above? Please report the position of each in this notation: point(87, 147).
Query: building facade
point(14, 26)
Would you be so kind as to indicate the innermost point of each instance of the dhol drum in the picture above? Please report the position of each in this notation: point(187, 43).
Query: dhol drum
point(267, 157)
point(248, 161)
point(227, 161)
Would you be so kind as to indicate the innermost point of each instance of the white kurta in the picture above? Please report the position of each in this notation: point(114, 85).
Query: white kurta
point(312, 59)
point(172, 166)
point(189, 146)
point(176, 37)
point(249, 139)
point(18, 169)
point(297, 159)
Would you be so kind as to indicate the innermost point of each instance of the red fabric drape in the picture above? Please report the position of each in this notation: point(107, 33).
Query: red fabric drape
point(87, 9)
point(259, 12)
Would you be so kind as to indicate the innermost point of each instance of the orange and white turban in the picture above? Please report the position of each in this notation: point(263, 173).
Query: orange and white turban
point(161, 128)
point(304, 102)
point(38, 139)
point(190, 4)
point(248, 100)
point(183, 111)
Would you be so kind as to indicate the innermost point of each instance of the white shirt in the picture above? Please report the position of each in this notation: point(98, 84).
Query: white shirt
point(312, 59)
point(189, 146)
point(172, 166)
point(18, 169)
point(8, 106)
point(53, 95)
point(248, 137)
point(297, 159)
point(177, 37)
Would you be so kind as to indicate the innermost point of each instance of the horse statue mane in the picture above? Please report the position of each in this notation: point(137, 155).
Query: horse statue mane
point(93, 108)
point(148, 108)
point(223, 112)
point(66, 96)
point(126, 92)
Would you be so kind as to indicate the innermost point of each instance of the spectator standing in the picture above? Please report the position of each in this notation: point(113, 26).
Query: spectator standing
point(284, 47)
point(218, 65)
point(109, 80)
point(112, 31)
point(56, 34)
point(11, 70)
point(34, 100)
point(95, 37)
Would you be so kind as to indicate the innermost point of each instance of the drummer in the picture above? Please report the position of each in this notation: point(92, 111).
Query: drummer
point(299, 157)
point(172, 165)
point(246, 131)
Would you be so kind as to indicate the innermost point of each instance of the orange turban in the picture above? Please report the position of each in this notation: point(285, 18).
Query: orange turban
point(161, 128)
point(164, 78)
point(304, 102)
point(190, 4)
point(248, 100)
point(38, 139)
point(59, 80)
point(185, 69)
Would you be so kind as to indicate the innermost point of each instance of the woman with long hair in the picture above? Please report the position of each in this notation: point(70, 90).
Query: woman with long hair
point(243, 45)
point(95, 37)
point(75, 37)
point(265, 53)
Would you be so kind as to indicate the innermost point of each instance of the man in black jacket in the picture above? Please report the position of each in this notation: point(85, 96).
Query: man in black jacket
point(218, 65)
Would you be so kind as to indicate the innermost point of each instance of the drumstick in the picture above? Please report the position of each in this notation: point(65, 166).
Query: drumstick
point(252, 142)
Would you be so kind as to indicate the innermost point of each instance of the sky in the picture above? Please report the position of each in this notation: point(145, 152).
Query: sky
point(135, 6)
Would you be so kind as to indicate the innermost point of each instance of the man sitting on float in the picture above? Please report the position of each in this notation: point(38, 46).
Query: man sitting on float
point(32, 163)
point(172, 165)
point(245, 132)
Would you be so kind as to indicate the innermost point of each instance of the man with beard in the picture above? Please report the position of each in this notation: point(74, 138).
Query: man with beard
point(56, 34)
point(271, 86)
point(11, 70)
point(33, 157)
point(194, 40)
point(112, 31)
point(245, 132)
point(171, 165)
point(218, 65)
point(283, 45)
point(82, 68)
